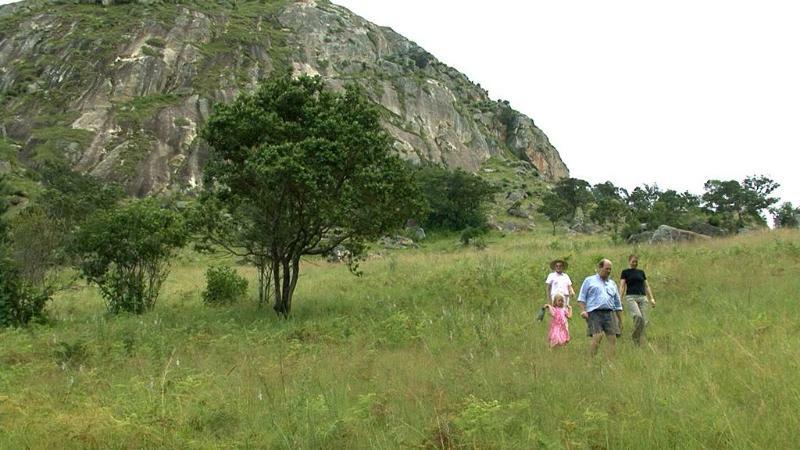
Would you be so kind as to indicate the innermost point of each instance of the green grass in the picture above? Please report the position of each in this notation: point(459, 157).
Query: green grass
point(431, 347)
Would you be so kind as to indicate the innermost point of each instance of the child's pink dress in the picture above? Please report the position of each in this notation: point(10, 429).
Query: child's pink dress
point(559, 328)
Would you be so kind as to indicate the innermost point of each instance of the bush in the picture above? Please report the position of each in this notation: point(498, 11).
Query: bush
point(20, 303)
point(474, 236)
point(224, 286)
point(126, 251)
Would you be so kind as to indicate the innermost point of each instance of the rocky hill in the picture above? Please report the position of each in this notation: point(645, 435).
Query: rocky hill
point(119, 89)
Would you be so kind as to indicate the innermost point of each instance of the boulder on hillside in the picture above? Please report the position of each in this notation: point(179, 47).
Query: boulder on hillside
point(666, 233)
point(397, 242)
point(640, 238)
point(707, 229)
point(517, 211)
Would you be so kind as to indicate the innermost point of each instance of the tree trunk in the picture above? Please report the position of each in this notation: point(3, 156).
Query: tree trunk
point(284, 278)
point(264, 268)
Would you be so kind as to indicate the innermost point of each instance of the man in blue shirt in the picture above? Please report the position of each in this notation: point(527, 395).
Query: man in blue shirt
point(601, 307)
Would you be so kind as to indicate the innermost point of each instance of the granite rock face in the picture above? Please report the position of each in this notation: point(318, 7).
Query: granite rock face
point(119, 89)
point(666, 234)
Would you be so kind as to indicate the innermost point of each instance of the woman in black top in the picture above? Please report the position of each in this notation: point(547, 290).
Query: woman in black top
point(635, 291)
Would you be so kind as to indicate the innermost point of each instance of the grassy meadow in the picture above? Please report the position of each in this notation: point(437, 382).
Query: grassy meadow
point(431, 348)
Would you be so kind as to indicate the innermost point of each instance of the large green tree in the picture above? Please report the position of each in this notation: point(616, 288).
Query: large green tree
point(734, 202)
point(297, 169)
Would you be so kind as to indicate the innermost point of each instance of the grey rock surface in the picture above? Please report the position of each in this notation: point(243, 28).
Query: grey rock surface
point(666, 234)
point(121, 91)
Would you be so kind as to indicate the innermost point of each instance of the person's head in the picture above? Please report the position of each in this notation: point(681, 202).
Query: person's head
point(633, 261)
point(559, 265)
point(604, 268)
point(558, 301)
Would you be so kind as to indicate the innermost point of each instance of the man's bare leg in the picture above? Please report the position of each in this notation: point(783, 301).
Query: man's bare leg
point(596, 338)
point(612, 346)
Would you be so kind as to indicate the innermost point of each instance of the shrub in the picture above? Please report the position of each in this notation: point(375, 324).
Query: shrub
point(20, 303)
point(455, 199)
point(474, 236)
point(126, 251)
point(224, 286)
point(156, 42)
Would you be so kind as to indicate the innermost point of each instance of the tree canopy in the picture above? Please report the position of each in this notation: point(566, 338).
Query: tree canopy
point(297, 169)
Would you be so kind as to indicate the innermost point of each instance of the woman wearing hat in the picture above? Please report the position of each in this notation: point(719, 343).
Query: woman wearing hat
point(558, 282)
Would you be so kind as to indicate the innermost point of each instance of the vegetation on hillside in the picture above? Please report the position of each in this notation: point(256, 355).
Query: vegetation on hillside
point(430, 348)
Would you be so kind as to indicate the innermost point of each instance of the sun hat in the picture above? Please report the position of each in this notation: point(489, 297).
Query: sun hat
point(553, 263)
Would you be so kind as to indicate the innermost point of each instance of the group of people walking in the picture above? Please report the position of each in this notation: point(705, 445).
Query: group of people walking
point(600, 302)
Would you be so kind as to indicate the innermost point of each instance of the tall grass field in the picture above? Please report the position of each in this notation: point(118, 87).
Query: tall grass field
point(434, 347)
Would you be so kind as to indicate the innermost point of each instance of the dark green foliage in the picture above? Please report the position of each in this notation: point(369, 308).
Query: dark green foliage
point(610, 207)
point(649, 207)
point(786, 216)
point(575, 192)
point(4, 188)
point(555, 208)
point(20, 303)
point(72, 354)
point(455, 199)
point(35, 245)
point(474, 236)
point(224, 286)
point(126, 251)
point(734, 204)
point(71, 197)
point(296, 169)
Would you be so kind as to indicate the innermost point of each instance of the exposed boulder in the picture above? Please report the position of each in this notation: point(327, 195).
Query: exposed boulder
point(667, 234)
point(517, 211)
point(397, 242)
point(707, 229)
point(640, 238)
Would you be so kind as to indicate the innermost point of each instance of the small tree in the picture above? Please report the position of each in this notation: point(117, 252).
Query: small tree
point(610, 207)
point(35, 246)
point(126, 251)
point(296, 169)
point(575, 192)
point(555, 209)
point(20, 303)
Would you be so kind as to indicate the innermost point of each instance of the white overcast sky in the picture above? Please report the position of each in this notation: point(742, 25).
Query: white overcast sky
point(632, 91)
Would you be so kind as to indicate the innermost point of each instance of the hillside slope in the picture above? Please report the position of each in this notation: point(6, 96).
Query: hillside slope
point(120, 90)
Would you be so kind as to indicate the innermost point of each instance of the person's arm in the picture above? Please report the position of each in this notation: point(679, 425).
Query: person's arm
point(547, 291)
point(582, 299)
point(623, 287)
point(569, 312)
point(649, 293)
point(571, 290)
point(618, 308)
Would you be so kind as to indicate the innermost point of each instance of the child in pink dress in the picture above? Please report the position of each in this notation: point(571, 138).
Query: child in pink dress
point(559, 328)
